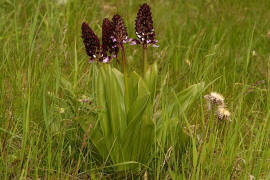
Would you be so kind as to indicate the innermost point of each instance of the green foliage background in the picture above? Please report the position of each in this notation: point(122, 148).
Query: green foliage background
point(44, 68)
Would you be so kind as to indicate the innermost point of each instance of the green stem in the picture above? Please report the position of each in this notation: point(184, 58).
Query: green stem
point(144, 59)
point(125, 73)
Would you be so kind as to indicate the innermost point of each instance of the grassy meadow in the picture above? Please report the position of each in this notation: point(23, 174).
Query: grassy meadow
point(51, 96)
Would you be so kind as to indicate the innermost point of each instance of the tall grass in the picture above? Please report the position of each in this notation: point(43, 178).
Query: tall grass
point(200, 41)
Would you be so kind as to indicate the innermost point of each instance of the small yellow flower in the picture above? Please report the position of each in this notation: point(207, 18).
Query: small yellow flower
point(50, 93)
point(268, 34)
point(188, 62)
point(254, 53)
point(61, 110)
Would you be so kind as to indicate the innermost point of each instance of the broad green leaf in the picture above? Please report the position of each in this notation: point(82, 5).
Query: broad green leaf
point(132, 133)
point(133, 86)
point(151, 78)
point(138, 108)
point(102, 104)
point(142, 88)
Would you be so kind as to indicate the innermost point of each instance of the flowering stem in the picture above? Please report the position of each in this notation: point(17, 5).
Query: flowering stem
point(125, 72)
point(144, 59)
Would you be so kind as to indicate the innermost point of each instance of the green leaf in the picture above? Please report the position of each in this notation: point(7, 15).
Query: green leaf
point(151, 78)
point(133, 86)
point(117, 134)
point(132, 133)
point(187, 96)
point(138, 108)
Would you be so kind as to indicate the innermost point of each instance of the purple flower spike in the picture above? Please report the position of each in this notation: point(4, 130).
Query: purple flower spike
point(120, 31)
point(144, 26)
point(91, 42)
point(109, 42)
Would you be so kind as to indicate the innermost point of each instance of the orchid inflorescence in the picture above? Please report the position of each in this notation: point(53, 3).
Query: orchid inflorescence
point(114, 36)
point(120, 34)
point(144, 27)
point(108, 44)
point(91, 42)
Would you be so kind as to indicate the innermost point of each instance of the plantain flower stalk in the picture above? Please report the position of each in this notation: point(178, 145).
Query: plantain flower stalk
point(223, 113)
point(214, 99)
point(215, 102)
point(145, 31)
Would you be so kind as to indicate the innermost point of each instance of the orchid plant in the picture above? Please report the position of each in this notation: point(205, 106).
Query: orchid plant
point(123, 129)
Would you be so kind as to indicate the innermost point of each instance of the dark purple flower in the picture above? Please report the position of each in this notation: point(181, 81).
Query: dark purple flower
point(109, 45)
point(120, 34)
point(91, 42)
point(144, 27)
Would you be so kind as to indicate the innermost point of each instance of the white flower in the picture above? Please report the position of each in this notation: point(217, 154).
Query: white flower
point(215, 99)
point(223, 113)
point(217, 96)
